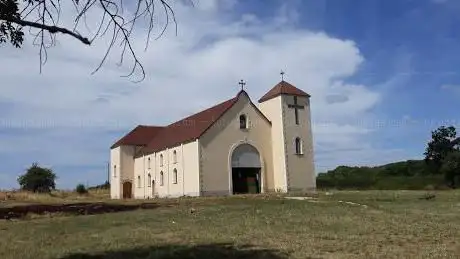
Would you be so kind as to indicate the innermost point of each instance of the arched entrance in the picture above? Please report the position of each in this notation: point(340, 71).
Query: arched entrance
point(127, 190)
point(153, 188)
point(246, 169)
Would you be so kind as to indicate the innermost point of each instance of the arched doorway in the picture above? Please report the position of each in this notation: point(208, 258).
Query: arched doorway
point(246, 170)
point(127, 190)
point(153, 188)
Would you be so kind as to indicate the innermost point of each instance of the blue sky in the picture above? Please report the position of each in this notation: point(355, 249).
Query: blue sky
point(382, 75)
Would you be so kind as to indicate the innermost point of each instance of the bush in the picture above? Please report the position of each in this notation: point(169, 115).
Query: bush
point(37, 179)
point(81, 189)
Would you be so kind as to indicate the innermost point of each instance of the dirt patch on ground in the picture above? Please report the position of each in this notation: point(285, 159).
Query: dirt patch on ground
point(22, 211)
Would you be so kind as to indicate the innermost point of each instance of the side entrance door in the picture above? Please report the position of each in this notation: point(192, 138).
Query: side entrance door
point(127, 190)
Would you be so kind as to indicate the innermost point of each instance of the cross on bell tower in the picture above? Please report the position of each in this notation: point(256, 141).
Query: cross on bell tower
point(296, 106)
point(242, 84)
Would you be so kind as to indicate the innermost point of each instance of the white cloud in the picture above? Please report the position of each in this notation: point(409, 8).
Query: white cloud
point(196, 69)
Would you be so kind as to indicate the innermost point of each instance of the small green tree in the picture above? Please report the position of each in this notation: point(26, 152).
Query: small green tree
point(37, 179)
point(81, 189)
point(451, 168)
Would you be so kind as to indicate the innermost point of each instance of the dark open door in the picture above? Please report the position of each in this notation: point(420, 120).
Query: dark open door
point(246, 180)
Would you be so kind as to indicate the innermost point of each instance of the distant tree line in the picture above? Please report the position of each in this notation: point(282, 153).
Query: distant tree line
point(439, 169)
point(43, 180)
point(105, 185)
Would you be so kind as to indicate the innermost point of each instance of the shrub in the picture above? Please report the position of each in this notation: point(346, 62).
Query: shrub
point(81, 189)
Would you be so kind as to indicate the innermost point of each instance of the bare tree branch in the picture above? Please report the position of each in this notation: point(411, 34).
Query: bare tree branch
point(118, 18)
point(50, 29)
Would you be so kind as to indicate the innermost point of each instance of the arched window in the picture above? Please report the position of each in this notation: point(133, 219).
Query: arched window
point(149, 177)
point(298, 146)
point(115, 171)
point(139, 181)
point(243, 121)
point(174, 156)
point(161, 178)
point(161, 160)
point(148, 163)
point(175, 176)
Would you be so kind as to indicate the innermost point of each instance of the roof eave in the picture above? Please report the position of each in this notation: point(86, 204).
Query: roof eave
point(264, 99)
point(142, 151)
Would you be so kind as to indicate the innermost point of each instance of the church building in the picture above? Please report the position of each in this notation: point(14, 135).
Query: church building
point(234, 147)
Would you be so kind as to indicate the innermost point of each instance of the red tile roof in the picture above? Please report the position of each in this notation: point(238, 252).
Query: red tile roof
point(188, 129)
point(282, 87)
point(139, 136)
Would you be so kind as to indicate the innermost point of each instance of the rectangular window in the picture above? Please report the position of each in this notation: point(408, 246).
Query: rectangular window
point(298, 146)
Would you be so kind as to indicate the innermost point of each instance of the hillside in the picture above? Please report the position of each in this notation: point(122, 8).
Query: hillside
point(410, 174)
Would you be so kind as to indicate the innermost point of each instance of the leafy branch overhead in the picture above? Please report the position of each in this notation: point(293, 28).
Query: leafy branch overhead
point(117, 21)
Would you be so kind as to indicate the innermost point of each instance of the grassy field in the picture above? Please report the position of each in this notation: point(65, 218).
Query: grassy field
point(392, 224)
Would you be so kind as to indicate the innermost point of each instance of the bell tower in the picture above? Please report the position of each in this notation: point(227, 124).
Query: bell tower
point(288, 108)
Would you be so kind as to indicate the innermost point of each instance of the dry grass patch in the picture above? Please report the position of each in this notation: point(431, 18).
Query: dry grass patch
point(250, 227)
point(12, 198)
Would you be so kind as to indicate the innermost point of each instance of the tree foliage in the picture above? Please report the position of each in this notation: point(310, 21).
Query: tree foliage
point(411, 174)
point(9, 31)
point(443, 142)
point(451, 168)
point(117, 21)
point(37, 179)
point(442, 153)
point(440, 168)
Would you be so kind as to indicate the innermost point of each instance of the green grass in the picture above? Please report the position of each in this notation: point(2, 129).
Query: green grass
point(393, 225)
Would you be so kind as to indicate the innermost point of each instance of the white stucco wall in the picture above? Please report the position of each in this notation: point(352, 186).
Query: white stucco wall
point(186, 166)
point(191, 162)
point(138, 186)
point(123, 158)
point(272, 109)
point(218, 143)
point(115, 184)
point(300, 168)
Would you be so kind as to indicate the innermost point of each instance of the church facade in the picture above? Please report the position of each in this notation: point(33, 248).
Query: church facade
point(233, 147)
